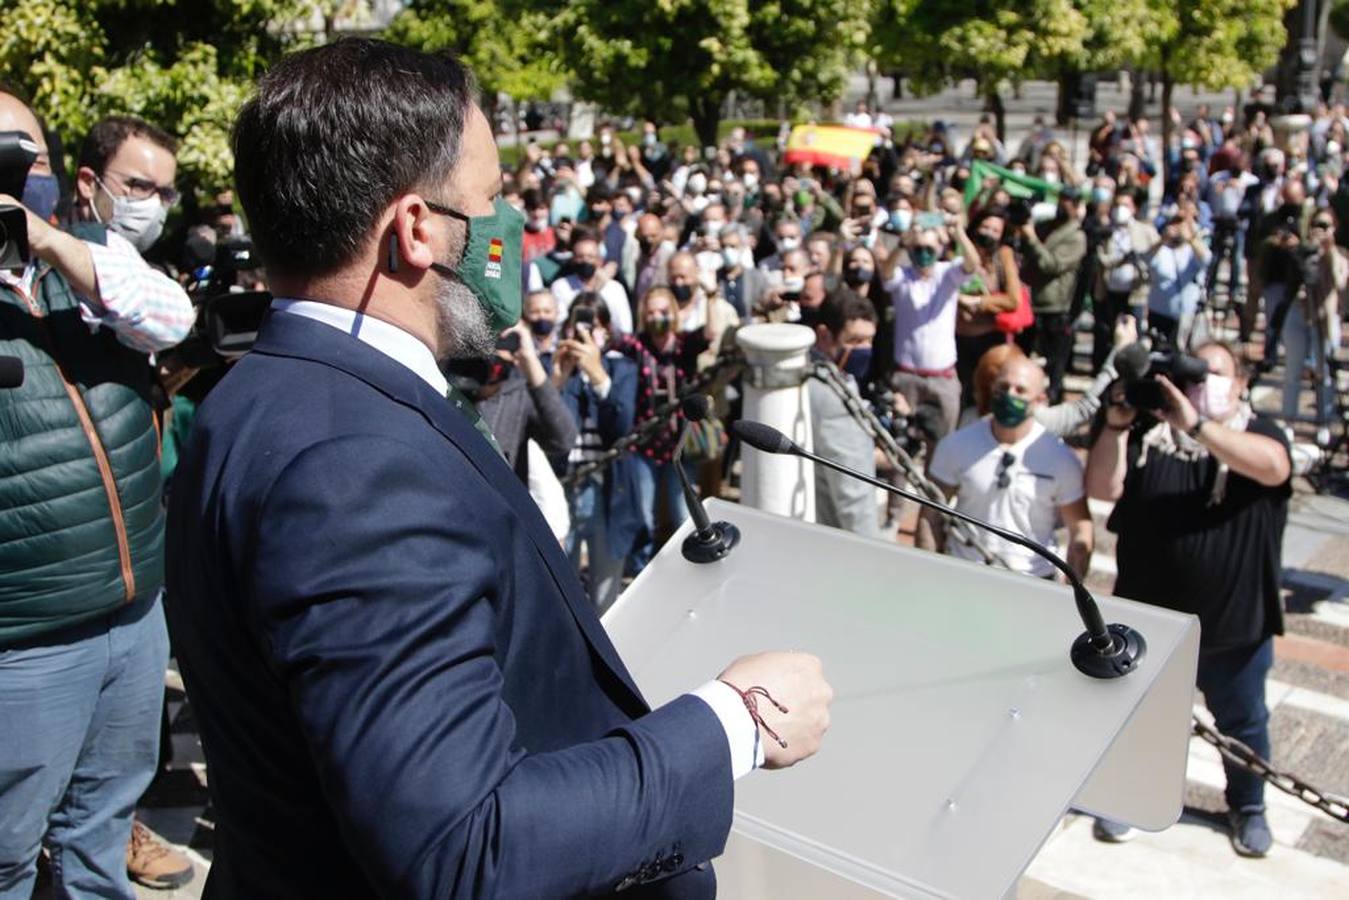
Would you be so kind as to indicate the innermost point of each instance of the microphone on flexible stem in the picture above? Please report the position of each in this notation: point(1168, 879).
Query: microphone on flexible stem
point(1101, 651)
point(11, 372)
point(710, 541)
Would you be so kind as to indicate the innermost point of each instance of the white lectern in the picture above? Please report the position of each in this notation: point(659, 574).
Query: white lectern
point(961, 730)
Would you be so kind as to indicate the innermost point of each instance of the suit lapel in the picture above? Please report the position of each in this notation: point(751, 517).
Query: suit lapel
point(297, 337)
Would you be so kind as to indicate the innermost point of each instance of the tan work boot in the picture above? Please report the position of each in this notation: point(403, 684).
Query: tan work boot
point(153, 863)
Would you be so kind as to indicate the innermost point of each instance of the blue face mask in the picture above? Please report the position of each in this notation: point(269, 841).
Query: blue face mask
point(40, 194)
point(856, 361)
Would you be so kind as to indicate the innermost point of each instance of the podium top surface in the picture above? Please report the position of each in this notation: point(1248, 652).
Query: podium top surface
point(960, 729)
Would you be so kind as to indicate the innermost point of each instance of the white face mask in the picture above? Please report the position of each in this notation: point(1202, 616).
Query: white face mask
point(713, 226)
point(793, 284)
point(1122, 215)
point(1213, 399)
point(786, 244)
point(139, 221)
point(751, 180)
point(697, 182)
point(730, 256)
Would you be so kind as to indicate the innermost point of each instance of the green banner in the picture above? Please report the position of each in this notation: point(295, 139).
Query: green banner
point(1017, 184)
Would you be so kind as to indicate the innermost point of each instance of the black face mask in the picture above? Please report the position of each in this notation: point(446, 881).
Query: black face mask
point(584, 270)
point(810, 316)
point(856, 276)
point(473, 375)
point(682, 292)
point(985, 241)
point(542, 327)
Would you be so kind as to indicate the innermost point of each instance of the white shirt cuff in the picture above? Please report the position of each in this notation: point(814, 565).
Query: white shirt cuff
point(742, 733)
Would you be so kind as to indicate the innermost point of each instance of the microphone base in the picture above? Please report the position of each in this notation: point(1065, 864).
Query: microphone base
point(711, 547)
point(1127, 650)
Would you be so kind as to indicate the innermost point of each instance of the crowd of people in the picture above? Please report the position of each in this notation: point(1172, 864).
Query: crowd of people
point(943, 275)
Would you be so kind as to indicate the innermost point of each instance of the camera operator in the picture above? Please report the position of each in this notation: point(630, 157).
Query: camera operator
point(81, 537)
point(1280, 265)
point(516, 398)
point(1123, 285)
point(843, 336)
point(1313, 322)
point(1201, 498)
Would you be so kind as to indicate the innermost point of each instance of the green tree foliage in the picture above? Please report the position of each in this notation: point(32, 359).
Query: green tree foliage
point(678, 59)
point(1213, 43)
point(185, 65)
point(996, 42)
point(504, 42)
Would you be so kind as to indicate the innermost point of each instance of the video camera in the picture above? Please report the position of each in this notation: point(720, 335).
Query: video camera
point(921, 428)
point(1139, 365)
point(229, 313)
point(17, 154)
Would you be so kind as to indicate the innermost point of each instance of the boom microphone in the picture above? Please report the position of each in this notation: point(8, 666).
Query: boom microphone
point(1101, 651)
point(711, 540)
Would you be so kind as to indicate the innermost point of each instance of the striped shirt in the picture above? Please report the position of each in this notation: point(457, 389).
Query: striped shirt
point(146, 309)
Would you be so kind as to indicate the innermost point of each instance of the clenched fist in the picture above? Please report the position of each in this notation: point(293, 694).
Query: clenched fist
point(796, 682)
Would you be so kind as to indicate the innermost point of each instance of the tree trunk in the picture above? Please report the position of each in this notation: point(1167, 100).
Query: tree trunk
point(706, 117)
point(999, 110)
point(1067, 88)
point(1168, 84)
point(1137, 99)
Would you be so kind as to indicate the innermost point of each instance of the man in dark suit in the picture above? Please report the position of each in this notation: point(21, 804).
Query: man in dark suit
point(401, 689)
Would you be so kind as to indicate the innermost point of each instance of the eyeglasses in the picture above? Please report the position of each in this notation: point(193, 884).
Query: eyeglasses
point(141, 189)
point(1004, 467)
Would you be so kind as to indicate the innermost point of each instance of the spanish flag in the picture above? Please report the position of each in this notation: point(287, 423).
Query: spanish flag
point(494, 250)
point(836, 146)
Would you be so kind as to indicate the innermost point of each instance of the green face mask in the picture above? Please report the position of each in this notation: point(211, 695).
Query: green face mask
point(1009, 411)
point(923, 256)
point(490, 266)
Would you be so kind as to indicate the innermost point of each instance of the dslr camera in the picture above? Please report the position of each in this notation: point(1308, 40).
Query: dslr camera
point(17, 153)
point(1139, 365)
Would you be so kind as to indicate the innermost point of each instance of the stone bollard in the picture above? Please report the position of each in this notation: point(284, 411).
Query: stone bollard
point(775, 394)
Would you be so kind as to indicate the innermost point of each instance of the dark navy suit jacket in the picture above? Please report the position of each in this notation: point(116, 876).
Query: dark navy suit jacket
point(401, 688)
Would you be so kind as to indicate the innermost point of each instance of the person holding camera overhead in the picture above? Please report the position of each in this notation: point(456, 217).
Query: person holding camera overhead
point(1201, 486)
point(82, 631)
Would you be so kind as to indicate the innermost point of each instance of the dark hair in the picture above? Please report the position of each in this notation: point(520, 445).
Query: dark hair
point(844, 306)
point(109, 134)
point(334, 135)
point(591, 301)
point(533, 199)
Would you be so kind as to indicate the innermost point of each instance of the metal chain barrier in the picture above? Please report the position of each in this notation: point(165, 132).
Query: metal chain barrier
point(898, 458)
point(1239, 754)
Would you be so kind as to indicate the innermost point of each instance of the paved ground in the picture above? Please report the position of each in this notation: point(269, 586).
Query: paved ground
point(1308, 693)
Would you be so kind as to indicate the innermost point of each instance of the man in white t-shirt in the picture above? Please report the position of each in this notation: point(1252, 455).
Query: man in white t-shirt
point(587, 276)
point(1007, 470)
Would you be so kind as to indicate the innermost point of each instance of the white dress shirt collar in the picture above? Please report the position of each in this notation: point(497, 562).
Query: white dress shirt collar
point(388, 339)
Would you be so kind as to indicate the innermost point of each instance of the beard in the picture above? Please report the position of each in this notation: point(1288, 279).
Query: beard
point(462, 327)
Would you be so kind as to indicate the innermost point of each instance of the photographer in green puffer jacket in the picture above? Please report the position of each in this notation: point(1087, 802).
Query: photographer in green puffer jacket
point(82, 640)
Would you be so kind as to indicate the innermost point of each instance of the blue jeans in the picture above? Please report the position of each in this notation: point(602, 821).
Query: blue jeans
point(1233, 683)
point(79, 740)
point(589, 527)
point(1307, 347)
point(658, 485)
